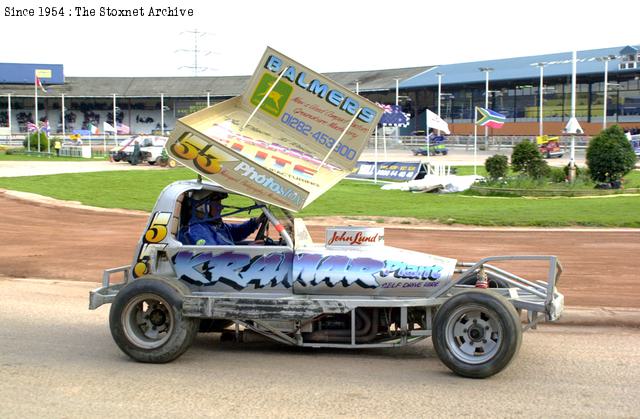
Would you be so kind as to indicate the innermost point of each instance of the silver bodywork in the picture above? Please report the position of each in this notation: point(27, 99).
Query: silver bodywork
point(278, 290)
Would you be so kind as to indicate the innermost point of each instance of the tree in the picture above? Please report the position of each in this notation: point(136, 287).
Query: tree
point(523, 155)
point(610, 155)
point(33, 141)
point(497, 166)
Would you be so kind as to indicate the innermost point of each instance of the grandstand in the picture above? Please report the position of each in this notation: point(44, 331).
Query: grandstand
point(513, 90)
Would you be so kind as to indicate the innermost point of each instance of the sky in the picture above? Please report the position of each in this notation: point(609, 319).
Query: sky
point(326, 35)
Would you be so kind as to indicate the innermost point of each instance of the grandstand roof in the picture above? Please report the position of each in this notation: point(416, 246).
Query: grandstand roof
point(517, 68)
point(225, 86)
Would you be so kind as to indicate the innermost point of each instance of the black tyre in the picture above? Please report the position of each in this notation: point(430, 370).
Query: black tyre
point(147, 324)
point(476, 333)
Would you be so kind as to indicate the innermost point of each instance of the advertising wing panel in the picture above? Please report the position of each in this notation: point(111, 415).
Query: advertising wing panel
point(397, 171)
point(287, 152)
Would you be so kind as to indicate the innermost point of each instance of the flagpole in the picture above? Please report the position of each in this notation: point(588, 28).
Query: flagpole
point(475, 139)
point(427, 131)
point(384, 144)
point(115, 128)
point(104, 142)
point(35, 119)
point(63, 122)
point(9, 112)
point(375, 153)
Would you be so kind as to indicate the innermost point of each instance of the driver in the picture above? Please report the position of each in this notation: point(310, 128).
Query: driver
point(206, 226)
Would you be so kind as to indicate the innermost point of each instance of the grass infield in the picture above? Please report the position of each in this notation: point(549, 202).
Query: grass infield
point(139, 190)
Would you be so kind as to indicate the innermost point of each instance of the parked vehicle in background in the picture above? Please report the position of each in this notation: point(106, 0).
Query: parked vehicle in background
point(549, 146)
point(151, 147)
point(436, 146)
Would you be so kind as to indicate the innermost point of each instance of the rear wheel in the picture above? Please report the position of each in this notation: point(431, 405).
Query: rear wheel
point(146, 321)
point(476, 333)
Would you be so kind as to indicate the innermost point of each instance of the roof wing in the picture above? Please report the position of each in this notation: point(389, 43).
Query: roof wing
point(286, 140)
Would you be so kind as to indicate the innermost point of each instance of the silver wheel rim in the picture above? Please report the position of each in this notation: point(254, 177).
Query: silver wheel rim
point(474, 334)
point(148, 321)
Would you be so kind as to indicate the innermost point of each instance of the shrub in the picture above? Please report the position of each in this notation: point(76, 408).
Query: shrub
point(557, 174)
point(15, 150)
point(497, 166)
point(610, 155)
point(538, 169)
point(523, 154)
point(33, 141)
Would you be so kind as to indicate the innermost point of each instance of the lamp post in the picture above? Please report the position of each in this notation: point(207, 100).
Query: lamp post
point(486, 71)
point(541, 65)
point(357, 87)
point(606, 60)
point(439, 90)
point(208, 98)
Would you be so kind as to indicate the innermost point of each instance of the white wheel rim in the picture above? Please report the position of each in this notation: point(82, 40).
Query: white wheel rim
point(148, 321)
point(474, 334)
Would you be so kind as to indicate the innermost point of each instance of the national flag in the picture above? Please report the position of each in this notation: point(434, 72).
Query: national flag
point(435, 122)
point(393, 116)
point(40, 85)
point(31, 127)
point(93, 129)
point(123, 129)
point(46, 128)
point(106, 127)
point(491, 119)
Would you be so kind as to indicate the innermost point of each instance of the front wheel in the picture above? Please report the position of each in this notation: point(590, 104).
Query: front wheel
point(147, 324)
point(476, 333)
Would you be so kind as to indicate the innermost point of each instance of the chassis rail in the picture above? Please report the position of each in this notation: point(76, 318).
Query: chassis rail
point(539, 299)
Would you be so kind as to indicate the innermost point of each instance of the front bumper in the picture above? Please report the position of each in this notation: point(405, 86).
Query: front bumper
point(107, 292)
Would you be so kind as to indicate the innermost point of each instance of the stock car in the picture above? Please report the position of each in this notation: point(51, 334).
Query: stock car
point(351, 291)
point(549, 146)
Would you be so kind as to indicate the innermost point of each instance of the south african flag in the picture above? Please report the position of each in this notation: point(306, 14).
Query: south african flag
point(490, 118)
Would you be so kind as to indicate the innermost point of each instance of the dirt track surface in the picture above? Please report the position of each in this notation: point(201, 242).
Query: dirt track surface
point(59, 361)
point(44, 241)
